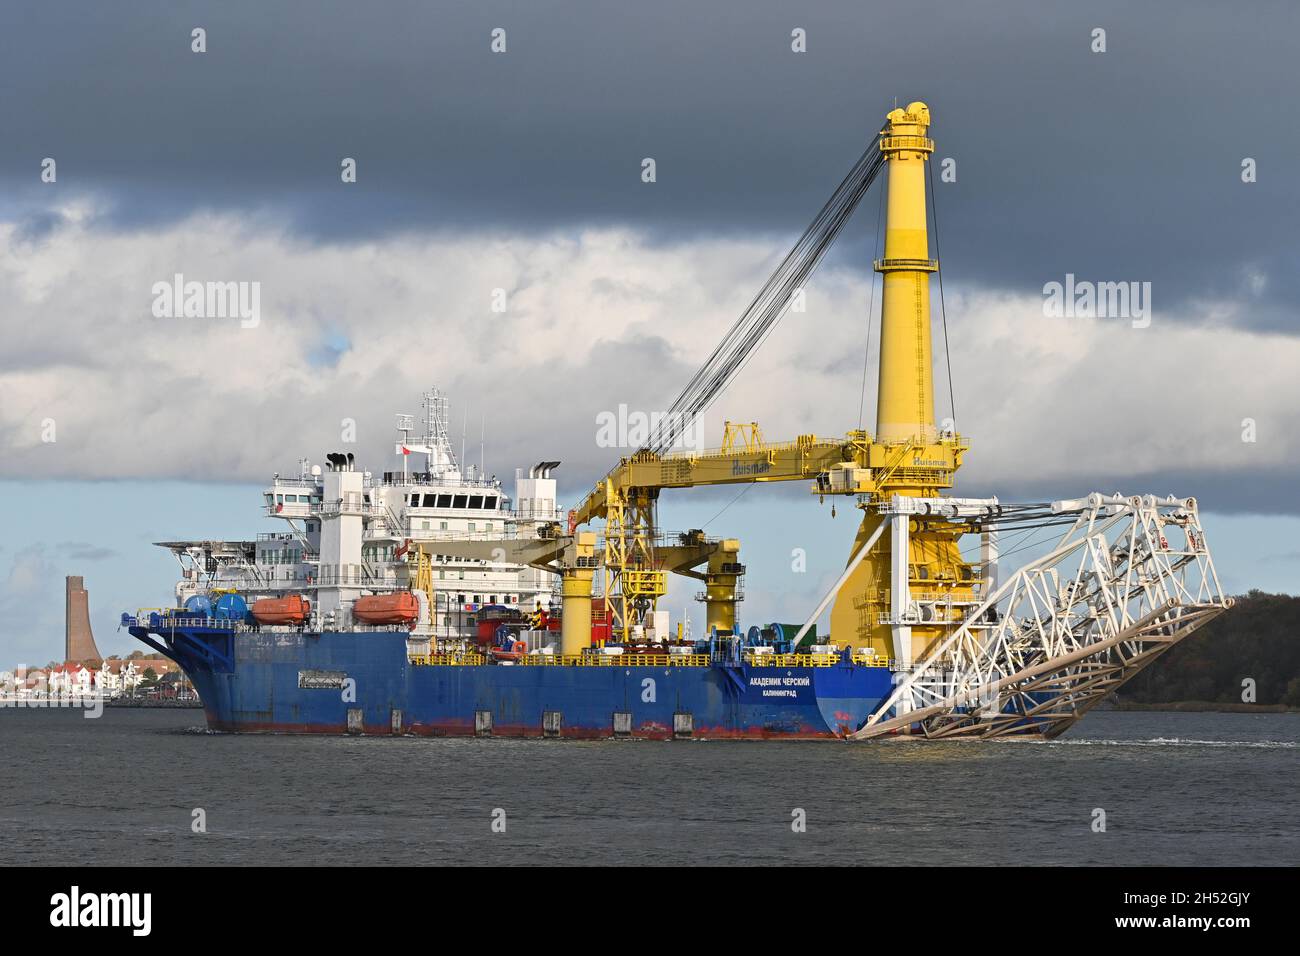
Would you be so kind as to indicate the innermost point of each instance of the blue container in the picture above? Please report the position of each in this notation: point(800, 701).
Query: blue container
point(230, 607)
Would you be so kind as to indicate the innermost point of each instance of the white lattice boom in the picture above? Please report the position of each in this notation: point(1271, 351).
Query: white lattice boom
point(1131, 577)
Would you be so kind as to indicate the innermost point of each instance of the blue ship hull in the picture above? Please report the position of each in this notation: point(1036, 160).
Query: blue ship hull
point(362, 682)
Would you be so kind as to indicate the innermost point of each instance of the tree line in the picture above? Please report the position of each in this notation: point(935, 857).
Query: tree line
point(1257, 640)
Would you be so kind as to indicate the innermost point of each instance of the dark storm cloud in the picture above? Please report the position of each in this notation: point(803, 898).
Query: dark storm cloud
point(1122, 165)
point(1222, 492)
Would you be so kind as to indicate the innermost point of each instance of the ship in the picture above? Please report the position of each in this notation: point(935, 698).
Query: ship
point(428, 601)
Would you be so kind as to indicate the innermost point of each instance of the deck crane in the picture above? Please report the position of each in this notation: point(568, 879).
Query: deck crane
point(908, 455)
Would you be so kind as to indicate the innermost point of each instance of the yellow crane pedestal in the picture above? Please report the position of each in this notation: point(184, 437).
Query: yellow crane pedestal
point(722, 586)
point(575, 595)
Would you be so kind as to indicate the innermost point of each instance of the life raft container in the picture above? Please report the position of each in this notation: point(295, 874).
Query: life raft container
point(398, 608)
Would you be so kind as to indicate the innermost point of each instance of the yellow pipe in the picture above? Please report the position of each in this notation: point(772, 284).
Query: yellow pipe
point(575, 625)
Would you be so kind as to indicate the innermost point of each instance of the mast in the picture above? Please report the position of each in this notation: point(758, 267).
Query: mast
point(905, 400)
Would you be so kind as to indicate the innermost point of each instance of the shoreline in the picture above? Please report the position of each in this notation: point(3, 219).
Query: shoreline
point(158, 704)
point(82, 703)
point(1204, 706)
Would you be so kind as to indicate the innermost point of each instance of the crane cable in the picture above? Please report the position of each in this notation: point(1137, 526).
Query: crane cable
point(871, 310)
point(943, 308)
point(770, 304)
point(772, 301)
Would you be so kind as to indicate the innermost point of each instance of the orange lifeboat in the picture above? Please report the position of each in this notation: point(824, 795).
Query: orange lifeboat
point(398, 608)
point(293, 609)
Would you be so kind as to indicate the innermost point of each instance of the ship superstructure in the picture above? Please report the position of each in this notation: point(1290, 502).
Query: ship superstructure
point(422, 601)
point(350, 533)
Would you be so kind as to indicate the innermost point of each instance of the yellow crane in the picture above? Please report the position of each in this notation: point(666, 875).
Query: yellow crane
point(973, 656)
point(908, 455)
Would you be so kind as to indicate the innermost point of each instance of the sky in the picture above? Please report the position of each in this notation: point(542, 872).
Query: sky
point(521, 171)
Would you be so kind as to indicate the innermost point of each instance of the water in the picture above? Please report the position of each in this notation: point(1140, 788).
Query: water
point(1196, 789)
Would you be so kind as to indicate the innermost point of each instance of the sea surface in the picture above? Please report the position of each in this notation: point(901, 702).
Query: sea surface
point(1175, 788)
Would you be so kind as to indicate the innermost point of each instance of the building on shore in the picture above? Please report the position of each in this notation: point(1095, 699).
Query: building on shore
point(115, 677)
point(85, 673)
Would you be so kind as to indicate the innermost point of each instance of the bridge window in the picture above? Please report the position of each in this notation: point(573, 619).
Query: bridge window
point(476, 501)
point(429, 500)
point(444, 501)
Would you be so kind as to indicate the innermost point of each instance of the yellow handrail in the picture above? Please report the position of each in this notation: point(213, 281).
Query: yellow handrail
point(616, 660)
point(792, 660)
point(467, 659)
point(471, 659)
point(568, 660)
point(871, 660)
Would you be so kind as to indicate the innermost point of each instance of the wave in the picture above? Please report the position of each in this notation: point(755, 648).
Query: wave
point(1182, 742)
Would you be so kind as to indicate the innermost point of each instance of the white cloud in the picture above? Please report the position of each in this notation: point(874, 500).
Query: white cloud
point(31, 614)
point(595, 318)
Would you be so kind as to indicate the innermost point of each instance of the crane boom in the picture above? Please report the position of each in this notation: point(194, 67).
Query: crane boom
point(807, 457)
